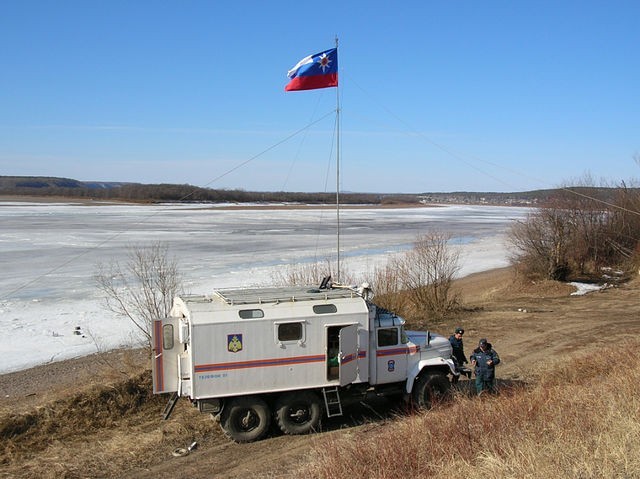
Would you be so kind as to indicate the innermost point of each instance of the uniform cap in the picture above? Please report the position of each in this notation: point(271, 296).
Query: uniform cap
point(483, 342)
point(459, 331)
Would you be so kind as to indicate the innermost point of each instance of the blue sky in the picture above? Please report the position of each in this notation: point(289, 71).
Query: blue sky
point(435, 96)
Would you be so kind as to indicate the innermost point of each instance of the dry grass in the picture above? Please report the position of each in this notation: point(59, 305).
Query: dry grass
point(577, 416)
point(96, 433)
point(579, 419)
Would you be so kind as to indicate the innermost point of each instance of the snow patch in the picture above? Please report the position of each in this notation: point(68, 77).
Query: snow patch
point(585, 288)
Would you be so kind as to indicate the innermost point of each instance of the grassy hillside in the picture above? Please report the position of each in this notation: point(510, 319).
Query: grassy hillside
point(579, 417)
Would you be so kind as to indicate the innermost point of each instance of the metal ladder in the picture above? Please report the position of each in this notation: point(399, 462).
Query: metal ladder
point(168, 409)
point(332, 401)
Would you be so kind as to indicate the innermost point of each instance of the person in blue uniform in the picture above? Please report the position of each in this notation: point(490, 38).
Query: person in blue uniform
point(484, 359)
point(457, 347)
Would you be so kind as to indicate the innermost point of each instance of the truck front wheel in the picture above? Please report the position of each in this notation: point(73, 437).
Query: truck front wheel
point(430, 389)
point(245, 419)
point(299, 412)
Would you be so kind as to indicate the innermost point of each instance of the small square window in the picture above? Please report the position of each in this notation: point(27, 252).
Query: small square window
point(290, 332)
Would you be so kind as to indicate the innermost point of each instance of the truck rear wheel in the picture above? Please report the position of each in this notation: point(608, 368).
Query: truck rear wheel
point(429, 389)
point(299, 412)
point(245, 419)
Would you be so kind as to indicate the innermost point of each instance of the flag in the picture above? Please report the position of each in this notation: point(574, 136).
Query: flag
point(315, 71)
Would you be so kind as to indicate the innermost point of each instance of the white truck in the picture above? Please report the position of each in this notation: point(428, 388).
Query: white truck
point(292, 354)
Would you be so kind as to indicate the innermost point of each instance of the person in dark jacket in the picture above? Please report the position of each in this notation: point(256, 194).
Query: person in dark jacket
point(485, 359)
point(457, 346)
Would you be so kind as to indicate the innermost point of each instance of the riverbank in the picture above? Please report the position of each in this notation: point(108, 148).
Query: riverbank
point(528, 323)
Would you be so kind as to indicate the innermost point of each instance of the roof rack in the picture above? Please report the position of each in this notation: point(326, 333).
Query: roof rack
point(282, 295)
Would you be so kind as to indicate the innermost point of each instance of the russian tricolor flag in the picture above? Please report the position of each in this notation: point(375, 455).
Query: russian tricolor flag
point(315, 71)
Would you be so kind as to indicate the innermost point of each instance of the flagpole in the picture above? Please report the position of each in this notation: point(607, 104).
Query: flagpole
point(338, 174)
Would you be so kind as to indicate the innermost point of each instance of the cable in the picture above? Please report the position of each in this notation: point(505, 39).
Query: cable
point(302, 141)
point(7, 295)
point(461, 159)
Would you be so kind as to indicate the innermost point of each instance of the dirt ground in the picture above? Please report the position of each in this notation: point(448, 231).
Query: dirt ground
point(526, 322)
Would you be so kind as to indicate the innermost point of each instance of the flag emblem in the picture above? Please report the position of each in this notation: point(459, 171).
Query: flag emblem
point(324, 61)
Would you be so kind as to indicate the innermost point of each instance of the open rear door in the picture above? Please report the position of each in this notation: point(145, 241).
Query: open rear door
point(164, 365)
point(348, 356)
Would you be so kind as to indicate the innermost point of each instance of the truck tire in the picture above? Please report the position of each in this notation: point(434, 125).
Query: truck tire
point(429, 389)
point(245, 419)
point(299, 412)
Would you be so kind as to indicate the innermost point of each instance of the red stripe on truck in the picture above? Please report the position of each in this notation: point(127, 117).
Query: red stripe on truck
point(259, 363)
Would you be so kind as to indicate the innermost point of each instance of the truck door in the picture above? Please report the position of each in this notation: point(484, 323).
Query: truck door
point(391, 355)
point(166, 348)
point(348, 358)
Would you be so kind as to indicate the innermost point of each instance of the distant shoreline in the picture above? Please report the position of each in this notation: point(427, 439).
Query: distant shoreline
point(235, 206)
point(213, 206)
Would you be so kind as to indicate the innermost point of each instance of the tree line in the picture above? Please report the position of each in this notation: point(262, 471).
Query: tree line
point(578, 234)
point(165, 192)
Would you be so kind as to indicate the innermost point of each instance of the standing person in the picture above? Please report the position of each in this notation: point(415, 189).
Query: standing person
point(485, 359)
point(457, 347)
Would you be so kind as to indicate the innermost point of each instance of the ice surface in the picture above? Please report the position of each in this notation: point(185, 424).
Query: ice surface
point(51, 309)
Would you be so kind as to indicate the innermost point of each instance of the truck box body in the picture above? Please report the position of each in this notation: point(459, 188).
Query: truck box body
point(248, 353)
point(263, 340)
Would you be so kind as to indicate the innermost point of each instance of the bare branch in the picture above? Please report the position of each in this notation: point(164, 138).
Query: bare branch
point(143, 288)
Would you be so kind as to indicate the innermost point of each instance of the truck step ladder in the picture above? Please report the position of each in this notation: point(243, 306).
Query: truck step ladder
point(332, 401)
point(168, 409)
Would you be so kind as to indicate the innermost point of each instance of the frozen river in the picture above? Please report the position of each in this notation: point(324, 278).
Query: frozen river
point(49, 253)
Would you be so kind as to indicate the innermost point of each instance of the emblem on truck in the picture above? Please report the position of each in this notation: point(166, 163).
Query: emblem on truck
point(234, 343)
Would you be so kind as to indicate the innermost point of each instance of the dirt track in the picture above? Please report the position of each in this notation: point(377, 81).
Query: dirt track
point(526, 323)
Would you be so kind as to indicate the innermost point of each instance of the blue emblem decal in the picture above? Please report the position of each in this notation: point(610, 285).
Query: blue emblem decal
point(234, 343)
point(391, 366)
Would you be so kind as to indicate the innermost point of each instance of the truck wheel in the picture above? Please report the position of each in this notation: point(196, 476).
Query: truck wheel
point(430, 389)
point(299, 412)
point(245, 419)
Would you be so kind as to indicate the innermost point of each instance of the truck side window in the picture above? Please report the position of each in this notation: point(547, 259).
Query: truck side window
point(324, 308)
point(388, 337)
point(167, 336)
point(290, 332)
point(251, 313)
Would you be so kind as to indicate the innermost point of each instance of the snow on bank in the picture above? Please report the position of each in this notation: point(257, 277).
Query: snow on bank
point(584, 288)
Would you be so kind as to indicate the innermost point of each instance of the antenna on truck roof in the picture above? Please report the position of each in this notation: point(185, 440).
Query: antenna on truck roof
point(326, 282)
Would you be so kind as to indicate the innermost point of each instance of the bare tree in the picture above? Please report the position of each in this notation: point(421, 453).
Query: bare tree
point(387, 287)
point(426, 275)
point(143, 288)
point(417, 282)
point(579, 231)
point(540, 244)
point(624, 234)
